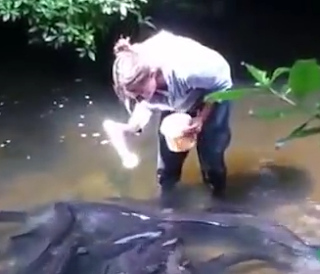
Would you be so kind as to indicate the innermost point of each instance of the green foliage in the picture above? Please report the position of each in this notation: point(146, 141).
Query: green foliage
point(302, 81)
point(77, 22)
point(300, 131)
point(304, 78)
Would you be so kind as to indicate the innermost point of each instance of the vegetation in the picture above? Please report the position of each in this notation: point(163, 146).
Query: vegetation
point(82, 23)
point(302, 82)
point(76, 22)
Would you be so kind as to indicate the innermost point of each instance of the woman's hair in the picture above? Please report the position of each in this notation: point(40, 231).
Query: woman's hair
point(129, 68)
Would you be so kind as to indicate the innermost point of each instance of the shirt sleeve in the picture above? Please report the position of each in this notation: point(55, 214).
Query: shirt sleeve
point(140, 115)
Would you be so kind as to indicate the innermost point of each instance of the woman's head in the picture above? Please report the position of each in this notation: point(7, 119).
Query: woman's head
point(132, 75)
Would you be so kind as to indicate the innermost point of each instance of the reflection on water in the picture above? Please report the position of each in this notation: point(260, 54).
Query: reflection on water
point(52, 147)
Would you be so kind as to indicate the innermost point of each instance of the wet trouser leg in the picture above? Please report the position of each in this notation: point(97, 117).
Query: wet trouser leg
point(212, 143)
point(169, 164)
point(213, 140)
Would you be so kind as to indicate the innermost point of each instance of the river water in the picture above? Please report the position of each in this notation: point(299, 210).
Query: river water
point(53, 147)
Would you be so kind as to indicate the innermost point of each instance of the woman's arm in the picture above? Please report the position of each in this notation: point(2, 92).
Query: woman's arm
point(205, 111)
point(208, 79)
point(140, 117)
point(198, 121)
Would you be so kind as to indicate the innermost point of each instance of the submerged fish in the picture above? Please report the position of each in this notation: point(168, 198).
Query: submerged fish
point(152, 255)
point(48, 230)
point(92, 217)
point(98, 222)
point(119, 243)
point(54, 260)
point(143, 248)
point(165, 255)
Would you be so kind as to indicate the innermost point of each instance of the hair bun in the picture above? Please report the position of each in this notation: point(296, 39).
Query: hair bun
point(123, 44)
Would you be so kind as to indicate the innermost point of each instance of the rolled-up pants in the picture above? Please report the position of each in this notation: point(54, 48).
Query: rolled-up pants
point(213, 140)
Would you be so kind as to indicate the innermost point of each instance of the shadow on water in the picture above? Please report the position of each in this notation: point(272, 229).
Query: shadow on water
point(279, 184)
point(254, 191)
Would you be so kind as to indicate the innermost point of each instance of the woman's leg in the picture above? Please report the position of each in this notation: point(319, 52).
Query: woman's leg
point(169, 164)
point(213, 141)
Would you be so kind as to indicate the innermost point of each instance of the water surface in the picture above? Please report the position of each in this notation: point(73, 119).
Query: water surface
point(53, 147)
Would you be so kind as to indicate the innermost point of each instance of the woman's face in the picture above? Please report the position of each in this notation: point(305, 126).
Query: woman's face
point(147, 88)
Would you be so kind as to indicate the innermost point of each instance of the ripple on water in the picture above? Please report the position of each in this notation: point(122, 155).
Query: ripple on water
point(303, 219)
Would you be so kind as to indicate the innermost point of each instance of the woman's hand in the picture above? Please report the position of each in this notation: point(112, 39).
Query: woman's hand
point(194, 128)
point(131, 129)
point(196, 123)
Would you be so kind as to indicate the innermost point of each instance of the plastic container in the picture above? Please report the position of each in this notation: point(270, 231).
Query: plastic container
point(172, 128)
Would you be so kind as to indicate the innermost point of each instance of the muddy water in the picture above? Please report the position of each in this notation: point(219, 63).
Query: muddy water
point(53, 148)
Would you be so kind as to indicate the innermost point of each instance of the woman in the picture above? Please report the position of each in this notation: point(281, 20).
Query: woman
point(172, 73)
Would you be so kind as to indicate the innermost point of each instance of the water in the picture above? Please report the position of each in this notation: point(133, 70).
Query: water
point(53, 147)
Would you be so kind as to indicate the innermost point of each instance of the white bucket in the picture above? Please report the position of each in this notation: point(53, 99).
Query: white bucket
point(172, 128)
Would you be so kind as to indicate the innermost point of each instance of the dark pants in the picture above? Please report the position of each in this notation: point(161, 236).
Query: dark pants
point(213, 140)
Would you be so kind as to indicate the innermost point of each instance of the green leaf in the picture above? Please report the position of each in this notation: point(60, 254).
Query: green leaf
point(92, 55)
point(61, 25)
point(123, 10)
point(82, 54)
point(269, 114)
point(304, 78)
point(6, 17)
point(49, 38)
point(147, 21)
point(300, 131)
point(297, 135)
point(33, 30)
point(278, 72)
point(259, 75)
point(17, 4)
point(224, 95)
point(285, 89)
point(106, 9)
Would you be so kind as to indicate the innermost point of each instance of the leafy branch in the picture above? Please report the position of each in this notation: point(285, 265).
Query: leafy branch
point(302, 81)
point(77, 22)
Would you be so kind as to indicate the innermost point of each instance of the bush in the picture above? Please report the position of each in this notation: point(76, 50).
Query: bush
point(302, 82)
point(76, 22)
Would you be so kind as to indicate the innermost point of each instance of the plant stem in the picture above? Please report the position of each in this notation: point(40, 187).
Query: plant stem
point(282, 97)
point(315, 115)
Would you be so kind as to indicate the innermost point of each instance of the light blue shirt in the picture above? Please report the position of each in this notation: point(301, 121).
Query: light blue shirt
point(190, 69)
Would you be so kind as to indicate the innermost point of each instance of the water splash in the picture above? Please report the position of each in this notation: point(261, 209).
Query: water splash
point(117, 139)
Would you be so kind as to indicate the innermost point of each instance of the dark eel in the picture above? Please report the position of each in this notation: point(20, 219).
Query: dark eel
point(91, 219)
point(121, 242)
point(165, 255)
point(142, 248)
point(99, 221)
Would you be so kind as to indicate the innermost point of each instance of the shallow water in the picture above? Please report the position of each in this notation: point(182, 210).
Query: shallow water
point(53, 147)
